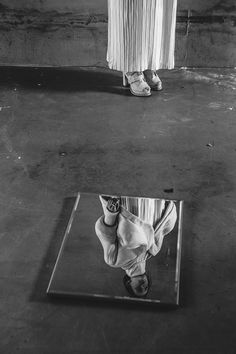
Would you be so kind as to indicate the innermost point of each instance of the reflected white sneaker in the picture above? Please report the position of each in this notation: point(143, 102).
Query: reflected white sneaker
point(137, 83)
point(153, 80)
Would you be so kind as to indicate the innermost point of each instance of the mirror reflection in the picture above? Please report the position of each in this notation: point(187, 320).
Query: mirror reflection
point(132, 230)
point(121, 248)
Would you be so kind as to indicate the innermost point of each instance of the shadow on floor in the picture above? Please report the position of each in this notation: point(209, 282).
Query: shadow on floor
point(63, 79)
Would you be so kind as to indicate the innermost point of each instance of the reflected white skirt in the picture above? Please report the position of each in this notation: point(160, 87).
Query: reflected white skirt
point(141, 34)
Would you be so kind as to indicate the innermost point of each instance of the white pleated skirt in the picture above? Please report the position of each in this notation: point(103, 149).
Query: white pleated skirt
point(141, 34)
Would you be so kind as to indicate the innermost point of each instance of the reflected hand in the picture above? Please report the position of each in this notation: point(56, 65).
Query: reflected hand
point(113, 205)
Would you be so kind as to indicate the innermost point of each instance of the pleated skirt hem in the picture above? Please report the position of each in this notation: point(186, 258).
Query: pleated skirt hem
point(141, 34)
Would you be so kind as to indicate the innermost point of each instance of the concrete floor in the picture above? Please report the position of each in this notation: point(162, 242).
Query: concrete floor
point(70, 130)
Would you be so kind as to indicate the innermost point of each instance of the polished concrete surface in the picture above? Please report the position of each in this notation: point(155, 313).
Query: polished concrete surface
point(67, 130)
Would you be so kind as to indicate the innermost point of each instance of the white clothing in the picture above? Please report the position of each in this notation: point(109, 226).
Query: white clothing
point(141, 34)
point(131, 241)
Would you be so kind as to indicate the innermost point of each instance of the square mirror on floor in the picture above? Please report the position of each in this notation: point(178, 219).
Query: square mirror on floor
point(120, 248)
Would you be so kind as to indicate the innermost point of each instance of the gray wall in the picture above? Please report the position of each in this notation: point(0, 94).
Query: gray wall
point(58, 5)
point(100, 6)
point(74, 33)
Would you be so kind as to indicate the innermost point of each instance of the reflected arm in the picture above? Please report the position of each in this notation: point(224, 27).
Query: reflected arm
point(108, 238)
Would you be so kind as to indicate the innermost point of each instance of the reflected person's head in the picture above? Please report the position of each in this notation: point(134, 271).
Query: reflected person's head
point(137, 286)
